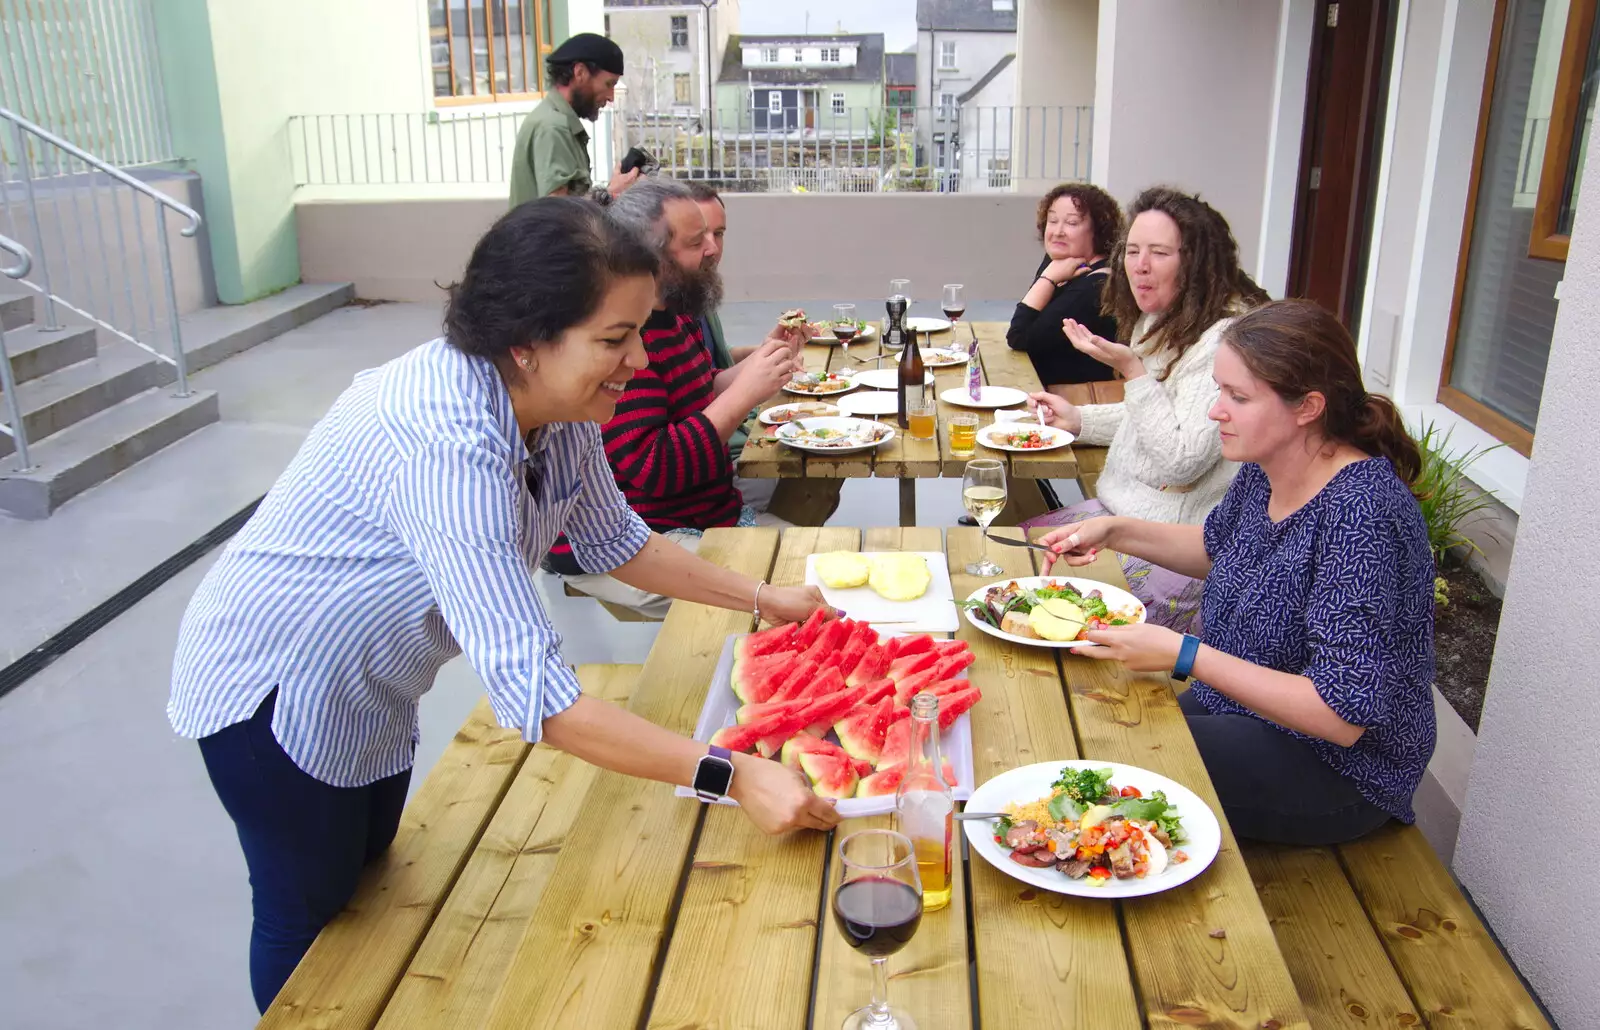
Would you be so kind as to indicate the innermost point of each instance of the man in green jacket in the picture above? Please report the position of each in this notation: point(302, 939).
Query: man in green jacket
point(552, 150)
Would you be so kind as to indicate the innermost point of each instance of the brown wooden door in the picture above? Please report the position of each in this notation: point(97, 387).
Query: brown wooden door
point(1345, 100)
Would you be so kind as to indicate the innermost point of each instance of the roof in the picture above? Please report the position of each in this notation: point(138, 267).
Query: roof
point(988, 77)
point(964, 16)
point(900, 69)
point(652, 3)
point(868, 66)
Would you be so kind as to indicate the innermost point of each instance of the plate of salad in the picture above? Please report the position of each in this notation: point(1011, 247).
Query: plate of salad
point(1050, 611)
point(1094, 829)
point(813, 384)
point(1021, 437)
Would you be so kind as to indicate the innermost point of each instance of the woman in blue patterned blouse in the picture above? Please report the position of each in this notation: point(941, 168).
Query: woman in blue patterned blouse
point(1312, 702)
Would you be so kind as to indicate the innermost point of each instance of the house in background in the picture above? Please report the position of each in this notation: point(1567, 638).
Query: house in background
point(900, 85)
point(827, 86)
point(963, 47)
point(672, 50)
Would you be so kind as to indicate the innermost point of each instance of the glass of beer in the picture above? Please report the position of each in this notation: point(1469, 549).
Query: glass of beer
point(921, 417)
point(963, 434)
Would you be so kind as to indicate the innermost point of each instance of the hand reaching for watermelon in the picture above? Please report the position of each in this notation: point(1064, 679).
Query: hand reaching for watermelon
point(793, 604)
point(778, 799)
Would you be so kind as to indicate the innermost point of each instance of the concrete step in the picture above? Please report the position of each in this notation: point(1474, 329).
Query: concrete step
point(98, 447)
point(35, 352)
point(53, 402)
point(216, 334)
point(16, 309)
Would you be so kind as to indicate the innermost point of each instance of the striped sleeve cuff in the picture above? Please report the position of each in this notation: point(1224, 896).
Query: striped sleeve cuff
point(557, 690)
point(597, 556)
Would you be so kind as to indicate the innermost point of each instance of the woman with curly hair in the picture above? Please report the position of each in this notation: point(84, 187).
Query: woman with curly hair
point(1078, 224)
point(1175, 286)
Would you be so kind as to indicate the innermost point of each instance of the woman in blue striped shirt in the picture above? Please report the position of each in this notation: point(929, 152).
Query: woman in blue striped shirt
point(405, 532)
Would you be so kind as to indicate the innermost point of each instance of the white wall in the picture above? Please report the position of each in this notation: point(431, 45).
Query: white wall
point(1056, 44)
point(1184, 98)
point(1542, 715)
point(1295, 29)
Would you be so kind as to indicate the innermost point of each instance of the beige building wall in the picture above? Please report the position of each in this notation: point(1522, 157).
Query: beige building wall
point(1184, 97)
point(1056, 43)
point(780, 246)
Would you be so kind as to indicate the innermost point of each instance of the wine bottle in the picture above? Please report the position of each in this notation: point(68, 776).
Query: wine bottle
point(911, 376)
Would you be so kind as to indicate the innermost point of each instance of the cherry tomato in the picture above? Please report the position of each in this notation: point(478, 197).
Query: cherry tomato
point(1131, 792)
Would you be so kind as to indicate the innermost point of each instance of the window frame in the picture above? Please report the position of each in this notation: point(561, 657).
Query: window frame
point(1545, 242)
point(836, 103)
point(536, 47)
point(947, 107)
point(688, 89)
point(947, 49)
point(672, 32)
point(775, 101)
point(831, 55)
point(771, 55)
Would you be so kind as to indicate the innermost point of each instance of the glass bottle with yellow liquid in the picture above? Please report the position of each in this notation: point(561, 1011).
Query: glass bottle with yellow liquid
point(924, 804)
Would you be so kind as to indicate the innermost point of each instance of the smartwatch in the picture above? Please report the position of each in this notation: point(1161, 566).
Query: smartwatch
point(1186, 656)
point(714, 775)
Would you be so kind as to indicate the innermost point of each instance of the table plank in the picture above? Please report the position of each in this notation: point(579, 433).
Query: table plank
point(929, 976)
point(1343, 976)
point(1443, 952)
point(839, 466)
point(351, 970)
point(1043, 959)
point(452, 980)
point(750, 902)
point(1186, 976)
point(585, 956)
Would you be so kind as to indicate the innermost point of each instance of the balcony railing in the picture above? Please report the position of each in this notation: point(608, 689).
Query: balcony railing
point(830, 150)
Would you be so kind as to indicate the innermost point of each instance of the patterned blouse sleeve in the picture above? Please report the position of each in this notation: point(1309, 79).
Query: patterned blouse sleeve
point(1351, 611)
point(1223, 520)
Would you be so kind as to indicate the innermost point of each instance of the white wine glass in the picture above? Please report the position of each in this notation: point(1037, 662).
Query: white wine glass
point(983, 491)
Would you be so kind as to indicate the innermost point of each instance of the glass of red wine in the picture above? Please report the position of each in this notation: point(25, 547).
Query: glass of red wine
point(953, 303)
point(844, 326)
point(877, 904)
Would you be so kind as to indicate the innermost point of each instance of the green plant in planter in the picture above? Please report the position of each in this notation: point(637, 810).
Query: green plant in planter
point(1449, 501)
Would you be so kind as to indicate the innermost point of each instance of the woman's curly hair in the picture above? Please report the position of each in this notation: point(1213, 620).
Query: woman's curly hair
point(1101, 207)
point(1211, 285)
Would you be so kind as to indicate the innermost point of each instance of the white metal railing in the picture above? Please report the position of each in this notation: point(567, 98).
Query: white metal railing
point(75, 266)
point(17, 430)
point(88, 71)
point(848, 150)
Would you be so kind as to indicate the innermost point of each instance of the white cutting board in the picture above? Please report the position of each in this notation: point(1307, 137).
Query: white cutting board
point(933, 612)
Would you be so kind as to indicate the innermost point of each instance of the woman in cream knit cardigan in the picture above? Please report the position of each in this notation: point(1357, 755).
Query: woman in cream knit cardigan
point(1175, 286)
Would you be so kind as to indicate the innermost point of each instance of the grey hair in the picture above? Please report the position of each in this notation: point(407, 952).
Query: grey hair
point(642, 208)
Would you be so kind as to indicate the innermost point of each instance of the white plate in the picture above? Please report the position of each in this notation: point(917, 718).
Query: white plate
point(1115, 597)
point(933, 612)
point(825, 337)
point(774, 416)
point(786, 434)
point(923, 324)
point(871, 402)
point(845, 386)
point(1031, 782)
point(990, 436)
point(988, 397)
point(721, 704)
point(886, 378)
point(943, 357)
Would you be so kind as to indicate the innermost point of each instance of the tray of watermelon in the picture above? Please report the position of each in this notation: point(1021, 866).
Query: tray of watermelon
point(831, 699)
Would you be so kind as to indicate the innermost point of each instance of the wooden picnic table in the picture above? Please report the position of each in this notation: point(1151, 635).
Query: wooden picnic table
point(903, 458)
point(526, 889)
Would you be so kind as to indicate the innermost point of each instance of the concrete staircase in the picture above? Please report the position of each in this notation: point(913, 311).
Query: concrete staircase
point(95, 404)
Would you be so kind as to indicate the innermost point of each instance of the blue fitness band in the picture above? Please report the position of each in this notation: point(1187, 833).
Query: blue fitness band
point(1186, 656)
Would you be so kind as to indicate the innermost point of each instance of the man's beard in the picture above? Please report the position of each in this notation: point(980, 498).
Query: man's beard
point(585, 105)
point(697, 292)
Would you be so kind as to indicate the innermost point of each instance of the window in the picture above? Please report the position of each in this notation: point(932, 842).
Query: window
point(770, 55)
point(902, 97)
point(947, 54)
point(938, 150)
point(608, 26)
point(488, 50)
point(1532, 138)
point(775, 102)
point(680, 32)
point(1005, 5)
point(799, 55)
point(838, 103)
point(680, 89)
point(1000, 173)
point(830, 55)
point(947, 106)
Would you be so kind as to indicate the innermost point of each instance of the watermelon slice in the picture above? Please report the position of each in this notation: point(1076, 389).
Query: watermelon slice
point(822, 710)
point(945, 668)
point(862, 730)
point(910, 665)
point(883, 782)
point(896, 750)
point(874, 664)
point(791, 685)
point(830, 775)
point(805, 744)
point(824, 681)
point(807, 633)
point(779, 726)
point(900, 647)
point(849, 656)
point(768, 641)
point(946, 648)
point(832, 637)
point(878, 690)
point(750, 713)
point(754, 679)
point(952, 705)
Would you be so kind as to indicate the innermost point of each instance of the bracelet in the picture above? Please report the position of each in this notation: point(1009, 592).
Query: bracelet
point(1049, 280)
point(756, 608)
point(1187, 652)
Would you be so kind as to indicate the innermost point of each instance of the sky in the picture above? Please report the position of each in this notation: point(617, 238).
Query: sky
point(896, 19)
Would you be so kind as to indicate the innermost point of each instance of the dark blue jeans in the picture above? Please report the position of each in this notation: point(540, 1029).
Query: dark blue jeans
point(305, 842)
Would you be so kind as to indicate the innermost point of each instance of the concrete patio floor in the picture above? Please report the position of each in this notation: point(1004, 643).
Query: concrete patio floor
point(122, 888)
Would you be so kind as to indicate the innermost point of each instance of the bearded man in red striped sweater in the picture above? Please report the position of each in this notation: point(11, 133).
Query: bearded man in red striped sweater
point(668, 441)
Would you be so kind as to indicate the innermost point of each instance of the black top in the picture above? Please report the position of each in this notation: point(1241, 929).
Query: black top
point(1038, 333)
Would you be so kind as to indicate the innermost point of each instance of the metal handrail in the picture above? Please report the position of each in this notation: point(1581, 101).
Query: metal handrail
point(17, 431)
point(114, 172)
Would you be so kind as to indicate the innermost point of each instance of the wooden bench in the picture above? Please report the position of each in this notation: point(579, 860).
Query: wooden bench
point(617, 611)
point(1091, 461)
point(464, 872)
